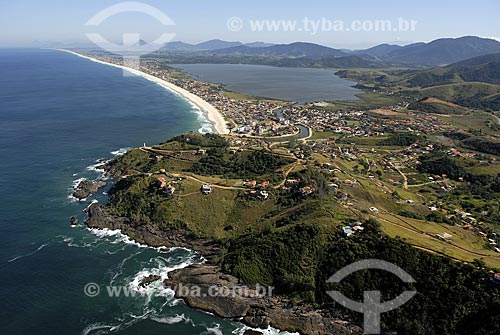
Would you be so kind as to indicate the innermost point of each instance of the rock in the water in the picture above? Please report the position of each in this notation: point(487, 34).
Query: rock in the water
point(87, 187)
point(252, 332)
point(148, 280)
point(73, 221)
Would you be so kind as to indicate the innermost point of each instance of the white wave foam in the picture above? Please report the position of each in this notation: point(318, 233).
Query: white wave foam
point(170, 320)
point(97, 167)
point(161, 268)
point(76, 182)
point(120, 152)
point(29, 254)
point(269, 331)
point(74, 185)
point(123, 238)
point(214, 330)
point(95, 326)
point(95, 201)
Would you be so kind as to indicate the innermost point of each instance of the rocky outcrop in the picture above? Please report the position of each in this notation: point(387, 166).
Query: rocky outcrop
point(148, 280)
point(195, 284)
point(86, 188)
point(151, 234)
point(205, 287)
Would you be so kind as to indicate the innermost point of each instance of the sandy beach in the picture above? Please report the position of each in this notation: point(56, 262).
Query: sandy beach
point(211, 113)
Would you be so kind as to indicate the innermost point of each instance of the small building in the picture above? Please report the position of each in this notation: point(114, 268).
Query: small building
point(496, 277)
point(263, 195)
point(374, 210)
point(264, 184)
point(168, 190)
point(250, 183)
point(347, 231)
point(306, 190)
point(444, 237)
point(292, 182)
point(201, 152)
point(206, 188)
point(161, 182)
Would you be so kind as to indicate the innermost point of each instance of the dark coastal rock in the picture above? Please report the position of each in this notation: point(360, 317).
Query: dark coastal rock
point(148, 280)
point(73, 221)
point(194, 284)
point(87, 187)
point(151, 234)
point(252, 332)
point(254, 310)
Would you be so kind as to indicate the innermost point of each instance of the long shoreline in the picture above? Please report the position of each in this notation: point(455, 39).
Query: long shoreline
point(213, 115)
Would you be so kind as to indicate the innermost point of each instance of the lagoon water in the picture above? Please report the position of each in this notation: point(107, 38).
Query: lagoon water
point(291, 84)
point(59, 114)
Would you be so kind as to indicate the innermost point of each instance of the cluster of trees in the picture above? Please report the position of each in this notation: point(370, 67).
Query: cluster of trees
point(242, 165)
point(401, 139)
point(452, 298)
point(484, 186)
point(483, 144)
point(439, 163)
point(205, 140)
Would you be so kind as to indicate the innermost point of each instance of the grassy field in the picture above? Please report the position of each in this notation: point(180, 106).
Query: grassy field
point(476, 120)
point(367, 100)
point(464, 245)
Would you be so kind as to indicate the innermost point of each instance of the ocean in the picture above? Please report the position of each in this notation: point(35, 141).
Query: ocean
point(60, 114)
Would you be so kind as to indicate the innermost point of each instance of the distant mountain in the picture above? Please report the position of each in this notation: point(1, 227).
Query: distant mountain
point(259, 45)
point(216, 44)
point(208, 45)
point(298, 49)
point(178, 46)
point(472, 83)
point(378, 51)
point(345, 62)
point(443, 51)
point(484, 69)
point(440, 52)
point(491, 58)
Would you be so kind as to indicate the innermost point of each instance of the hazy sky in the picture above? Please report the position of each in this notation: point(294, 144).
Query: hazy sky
point(24, 21)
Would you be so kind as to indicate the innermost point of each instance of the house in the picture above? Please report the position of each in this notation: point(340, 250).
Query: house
point(496, 277)
point(444, 236)
point(250, 183)
point(411, 202)
point(206, 189)
point(264, 184)
point(292, 182)
point(169, 190)
point(347, 231)
point(161, 182)
point(263, 195)
point(306, 190)
point(201, 152)
point(374, 210)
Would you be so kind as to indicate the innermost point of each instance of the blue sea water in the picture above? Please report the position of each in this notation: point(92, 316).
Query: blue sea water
point(58, 115)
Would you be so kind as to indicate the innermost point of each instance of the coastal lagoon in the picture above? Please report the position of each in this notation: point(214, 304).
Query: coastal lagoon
point(291, 84)
point(59, 114)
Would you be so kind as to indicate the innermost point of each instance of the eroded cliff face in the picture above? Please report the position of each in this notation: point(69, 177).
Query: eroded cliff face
point(195, 285)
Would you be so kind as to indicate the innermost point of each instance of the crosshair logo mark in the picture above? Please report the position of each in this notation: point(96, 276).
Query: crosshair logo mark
point(132, 47)
point(371, 307)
